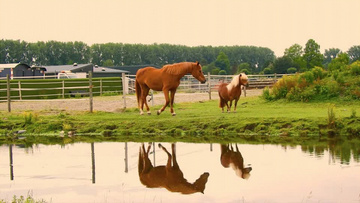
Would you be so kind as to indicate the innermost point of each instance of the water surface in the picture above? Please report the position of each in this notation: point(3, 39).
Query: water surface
point(107, 172)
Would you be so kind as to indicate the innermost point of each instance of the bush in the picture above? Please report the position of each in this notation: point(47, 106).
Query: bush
point(291, 70)
point(266, 94)
point(267, 71)
point(355, 68)
point(318, 73)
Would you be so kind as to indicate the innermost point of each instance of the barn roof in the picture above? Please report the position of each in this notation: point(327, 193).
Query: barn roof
point(59, 68)
point(108, 70)
point(11, 65)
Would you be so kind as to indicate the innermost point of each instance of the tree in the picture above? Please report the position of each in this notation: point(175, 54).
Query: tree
point(330, 54)
point(108, 63)
point(282, 64)
point(339, 63)
point(242, 67)
point(222, 62)
point(295, 53)
point(312, 55)
point(354, 53)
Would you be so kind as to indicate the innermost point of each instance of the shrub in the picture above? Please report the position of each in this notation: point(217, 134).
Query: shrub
point(267, 71)
point(355, 68)
point(291, 70)
point(318, 73)
point(306, 79)
point(266, 94)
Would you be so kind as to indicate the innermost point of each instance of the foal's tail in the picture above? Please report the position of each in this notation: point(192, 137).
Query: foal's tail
point(138, 92)
point(221, 103)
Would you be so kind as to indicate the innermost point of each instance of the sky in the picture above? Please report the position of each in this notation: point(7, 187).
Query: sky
point(275, 24)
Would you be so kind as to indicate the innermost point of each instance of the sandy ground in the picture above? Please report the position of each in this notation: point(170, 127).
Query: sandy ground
point(108, 103)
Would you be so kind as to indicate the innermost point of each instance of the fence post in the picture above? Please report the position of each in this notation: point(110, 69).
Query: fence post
point(90, 91)
point(101, 87)
point(275, 78)
point(19, 85)
point(123, 88)
point(8, 92)
point(209, 85)
point(63, 89)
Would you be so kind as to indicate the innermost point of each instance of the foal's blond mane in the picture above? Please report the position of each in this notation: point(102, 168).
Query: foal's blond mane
point(178, 68)
point(235, 81)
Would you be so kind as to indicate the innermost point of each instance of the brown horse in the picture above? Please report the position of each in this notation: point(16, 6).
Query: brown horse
point(231, 91)
point(169, 176)
point(166, 79)
point(230, 157)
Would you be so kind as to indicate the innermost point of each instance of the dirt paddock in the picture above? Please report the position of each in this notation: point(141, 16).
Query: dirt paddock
point(108, 103)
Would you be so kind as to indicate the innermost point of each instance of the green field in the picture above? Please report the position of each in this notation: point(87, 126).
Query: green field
point(255, 119)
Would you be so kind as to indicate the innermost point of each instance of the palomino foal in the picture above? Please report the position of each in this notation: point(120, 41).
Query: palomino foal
point(231, 91)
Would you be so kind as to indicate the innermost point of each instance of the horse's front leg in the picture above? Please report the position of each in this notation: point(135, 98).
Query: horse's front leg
point(229, 107)
point(172, 97)
point(167, 101)
point(236, 101)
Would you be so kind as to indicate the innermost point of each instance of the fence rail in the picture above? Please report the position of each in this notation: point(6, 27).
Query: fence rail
point(64, 88)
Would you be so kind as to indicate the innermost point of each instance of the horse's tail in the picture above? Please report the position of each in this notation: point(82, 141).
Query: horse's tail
point(138, 92)
point(221, 103)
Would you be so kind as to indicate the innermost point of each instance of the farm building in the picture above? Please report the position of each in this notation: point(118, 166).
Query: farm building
point(75, 68)
point(20, 70)
point(100, 72)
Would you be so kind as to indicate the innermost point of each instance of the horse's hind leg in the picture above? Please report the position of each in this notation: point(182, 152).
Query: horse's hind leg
point(144, 93)
point(145, 102)
point(167, 101)
point(169, 156)
point(172, 97)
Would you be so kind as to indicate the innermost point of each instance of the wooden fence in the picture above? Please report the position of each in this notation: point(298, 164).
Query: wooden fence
point(90, 87)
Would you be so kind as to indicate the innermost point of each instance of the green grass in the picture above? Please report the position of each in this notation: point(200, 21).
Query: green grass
point(255, 119)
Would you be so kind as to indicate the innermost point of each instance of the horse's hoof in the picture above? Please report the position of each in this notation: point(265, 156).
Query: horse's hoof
point(141, 113)
point(173, 114)
point(149, 113)
point(158, 112)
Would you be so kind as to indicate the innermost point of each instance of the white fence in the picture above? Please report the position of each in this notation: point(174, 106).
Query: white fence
point(126, 86)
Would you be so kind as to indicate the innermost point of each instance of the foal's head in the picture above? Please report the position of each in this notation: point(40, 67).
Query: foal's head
point(197, 72)
point(243, 79)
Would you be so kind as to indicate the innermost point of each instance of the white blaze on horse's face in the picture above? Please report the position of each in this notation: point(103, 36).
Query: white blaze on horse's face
point(198, 73)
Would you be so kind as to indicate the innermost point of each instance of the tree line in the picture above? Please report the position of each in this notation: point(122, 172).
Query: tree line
point(217, 60)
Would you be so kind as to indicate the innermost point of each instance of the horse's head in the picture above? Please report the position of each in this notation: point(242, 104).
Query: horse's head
point(243, 79)
point(198, 73)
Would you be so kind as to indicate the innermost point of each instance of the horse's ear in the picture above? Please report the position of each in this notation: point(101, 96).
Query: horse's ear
point(197, 63)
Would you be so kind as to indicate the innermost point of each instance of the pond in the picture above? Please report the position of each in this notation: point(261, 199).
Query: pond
point(108, 172)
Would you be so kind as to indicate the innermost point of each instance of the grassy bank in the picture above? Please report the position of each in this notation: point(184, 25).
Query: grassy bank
point(195, 122)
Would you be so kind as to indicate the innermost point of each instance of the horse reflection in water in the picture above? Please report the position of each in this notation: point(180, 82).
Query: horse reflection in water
point(230, 157)
point(168, 176)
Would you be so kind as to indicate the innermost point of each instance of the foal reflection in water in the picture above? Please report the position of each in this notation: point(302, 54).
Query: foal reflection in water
point(168, 176)
point(230, 157)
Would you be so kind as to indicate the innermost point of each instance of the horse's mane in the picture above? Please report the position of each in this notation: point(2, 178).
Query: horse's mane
point(177, 68)
point(235, 81)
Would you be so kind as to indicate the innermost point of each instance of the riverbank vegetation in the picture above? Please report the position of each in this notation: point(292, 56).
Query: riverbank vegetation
point(340, 81)
point(255, 119)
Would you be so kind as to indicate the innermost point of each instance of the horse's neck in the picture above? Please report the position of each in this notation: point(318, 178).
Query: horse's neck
point(179, 71)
